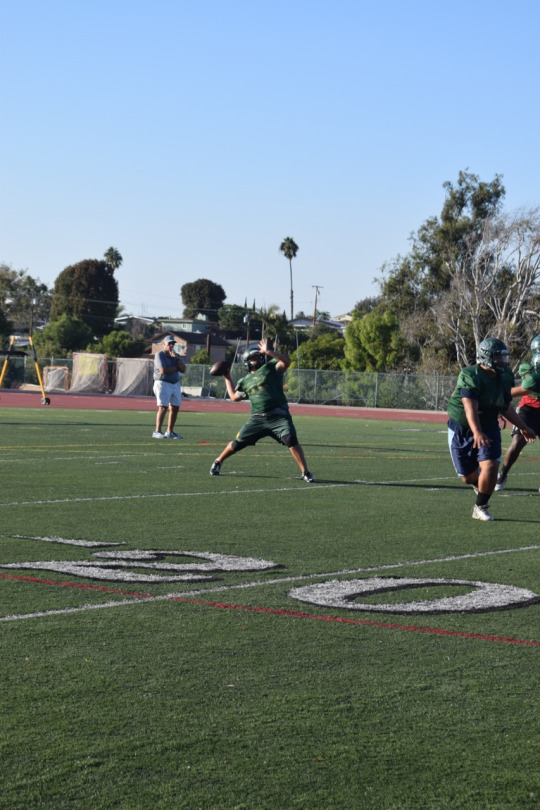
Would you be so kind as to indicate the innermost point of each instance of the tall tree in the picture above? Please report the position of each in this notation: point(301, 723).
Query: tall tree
point(422, 285)
point(289, 248)
point(87, 290)
point(495, 285)
point(414, 282)
point(113, 258)
point(203, 297)
point(17, 292)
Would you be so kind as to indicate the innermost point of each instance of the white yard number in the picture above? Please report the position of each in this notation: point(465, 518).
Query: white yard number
point(131, 566)
point(156, 567)
point(343, 593)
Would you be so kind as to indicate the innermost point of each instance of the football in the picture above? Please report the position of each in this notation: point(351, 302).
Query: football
point(219, 368)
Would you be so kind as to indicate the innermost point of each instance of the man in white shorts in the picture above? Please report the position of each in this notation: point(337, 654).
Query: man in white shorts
point(168, 366)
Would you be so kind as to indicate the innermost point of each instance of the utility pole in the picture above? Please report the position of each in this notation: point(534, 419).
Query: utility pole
point(316, 287)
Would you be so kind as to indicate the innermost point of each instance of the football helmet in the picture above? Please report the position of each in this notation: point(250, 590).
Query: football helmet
point(535, 363)
point(493, 354)
point(535, 344)
point(253, 358)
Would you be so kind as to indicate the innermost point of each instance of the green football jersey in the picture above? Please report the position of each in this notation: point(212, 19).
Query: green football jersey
point(531, 383)
point(493, 395)
point(264, 388)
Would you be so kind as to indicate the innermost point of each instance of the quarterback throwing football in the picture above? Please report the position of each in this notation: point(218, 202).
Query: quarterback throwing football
point(263, 386)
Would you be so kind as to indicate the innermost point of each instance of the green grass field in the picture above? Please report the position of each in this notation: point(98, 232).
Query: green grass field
point(173, 640)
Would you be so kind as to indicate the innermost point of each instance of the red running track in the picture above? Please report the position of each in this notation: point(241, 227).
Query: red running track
point(32, 399)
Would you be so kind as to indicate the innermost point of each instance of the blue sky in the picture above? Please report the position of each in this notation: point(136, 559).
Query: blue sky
point(194, 137)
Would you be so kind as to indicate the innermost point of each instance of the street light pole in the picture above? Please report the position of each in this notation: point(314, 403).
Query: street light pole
point(33, 303)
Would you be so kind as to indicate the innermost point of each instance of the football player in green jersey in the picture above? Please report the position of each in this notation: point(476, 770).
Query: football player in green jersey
point(263, 386)
point(483, 391)
point(528, 409)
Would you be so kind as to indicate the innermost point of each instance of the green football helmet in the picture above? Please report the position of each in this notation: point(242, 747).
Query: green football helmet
point(535, 344)
point(493, 354)
point(253, 359)
point(535, 363)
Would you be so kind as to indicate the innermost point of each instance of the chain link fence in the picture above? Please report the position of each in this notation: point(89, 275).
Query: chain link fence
point(359, 389)
point(349, 388)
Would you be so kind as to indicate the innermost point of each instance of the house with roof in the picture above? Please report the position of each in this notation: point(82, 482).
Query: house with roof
point(305, 324)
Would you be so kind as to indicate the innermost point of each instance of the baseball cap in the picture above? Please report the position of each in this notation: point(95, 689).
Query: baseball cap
point(169, 339)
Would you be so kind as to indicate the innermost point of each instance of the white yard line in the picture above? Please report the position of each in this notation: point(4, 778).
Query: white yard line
point(297, 488)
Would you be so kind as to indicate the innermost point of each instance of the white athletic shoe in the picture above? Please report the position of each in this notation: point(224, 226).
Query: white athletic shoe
point(157, 434)
point(172, 435)
point(481, 513)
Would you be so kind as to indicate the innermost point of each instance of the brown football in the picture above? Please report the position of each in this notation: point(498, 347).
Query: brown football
point(219, 368)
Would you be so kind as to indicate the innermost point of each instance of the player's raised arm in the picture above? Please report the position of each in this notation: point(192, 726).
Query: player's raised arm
point(284, 361)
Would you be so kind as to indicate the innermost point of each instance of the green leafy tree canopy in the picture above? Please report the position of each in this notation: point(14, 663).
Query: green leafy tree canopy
point(17, 292)
point(414, 282)
point(62, 337)
point(325, 352)
point(201, 358)
point(231, 320)
point(87, 290)
point(202, 297)
point(119, 343)
point(373, 342)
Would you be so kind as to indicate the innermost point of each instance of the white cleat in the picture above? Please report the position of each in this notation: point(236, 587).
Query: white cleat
point(481, 513)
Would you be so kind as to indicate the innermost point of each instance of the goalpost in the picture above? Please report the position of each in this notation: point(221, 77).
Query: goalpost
point(134, 377)
point(55, 378)
point(90, 373)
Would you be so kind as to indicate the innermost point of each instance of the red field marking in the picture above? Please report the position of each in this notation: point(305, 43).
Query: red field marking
point(30, 399)
point(79, 585)
point(364, 622)
point(277, 612)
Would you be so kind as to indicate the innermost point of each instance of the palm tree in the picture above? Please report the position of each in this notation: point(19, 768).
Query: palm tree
point(113, 258)
point(289, 248)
